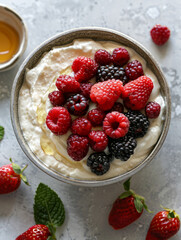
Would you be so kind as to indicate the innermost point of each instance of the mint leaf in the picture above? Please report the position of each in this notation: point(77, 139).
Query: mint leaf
point(1, 132)
point(138, 205)
point(127, 185)
point(48, 207)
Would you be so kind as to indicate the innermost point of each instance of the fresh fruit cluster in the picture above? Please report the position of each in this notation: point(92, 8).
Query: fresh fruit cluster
point(116, 79)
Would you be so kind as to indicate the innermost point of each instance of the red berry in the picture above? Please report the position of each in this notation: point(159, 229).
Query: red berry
point(77, 147)
point(134, 70)
point(98, 140)
point(152, 109)
point(84, 68)
point(77, 105)
point(115, 125)
point(164, 225)
point(81, 126)
point(118, 107)
point(10, 178)
point(58, 120)
point(106, 93)
point(36, 232)
point(137, 92)
point(96, 117)
point(67, 84)
point(120, 56)
point(56, 98)
point(85, 89)
point(102, 57)
point(160, 34)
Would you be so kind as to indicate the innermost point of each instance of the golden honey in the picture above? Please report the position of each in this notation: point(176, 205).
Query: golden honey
point(9, 42)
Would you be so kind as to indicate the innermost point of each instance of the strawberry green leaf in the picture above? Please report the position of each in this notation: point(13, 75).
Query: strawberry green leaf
point(126, 185)
point(1, 132)
point(25, 180)
point(146, 207)
point(125, 194)
point(16, 168)
point(138, 205)
point(171, 214)
point(48, 207)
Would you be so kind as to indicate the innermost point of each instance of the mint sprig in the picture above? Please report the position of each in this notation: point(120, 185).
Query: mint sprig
point(48, 209)
point(1, 132)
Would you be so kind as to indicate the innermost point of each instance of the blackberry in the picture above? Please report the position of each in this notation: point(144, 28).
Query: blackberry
point(99, 163)
point(111, 72)
point(77, 105)
point(122, 148)
point(139, 123)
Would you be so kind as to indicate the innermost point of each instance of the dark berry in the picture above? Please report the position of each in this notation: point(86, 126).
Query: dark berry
point(98, 140)
point(152, 109)
point(56, 98)
point(118, 107)
point(120, 56)
point(96, 117)
point(122, 148)
point(107, 72)
point(81, 126)
point(139, 123)
point(85, 89)
point(58, 120)
point(99, 163)
point(115, 125)
point(77, 147)
point(134, 70)
point(77, 105)
point(102, 57)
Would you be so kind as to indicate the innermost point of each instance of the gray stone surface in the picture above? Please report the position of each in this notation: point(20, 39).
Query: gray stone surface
point(87, 208)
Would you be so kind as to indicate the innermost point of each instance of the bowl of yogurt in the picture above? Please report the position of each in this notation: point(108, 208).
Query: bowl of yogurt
point(30, 105)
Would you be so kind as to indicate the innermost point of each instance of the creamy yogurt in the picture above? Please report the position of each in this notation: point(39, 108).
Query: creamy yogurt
point(34, 106)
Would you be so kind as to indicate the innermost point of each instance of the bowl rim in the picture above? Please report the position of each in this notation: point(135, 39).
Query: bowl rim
point(57, 175)
point(23, 44)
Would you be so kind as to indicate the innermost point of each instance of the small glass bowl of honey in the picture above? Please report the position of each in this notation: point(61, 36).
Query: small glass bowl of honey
point(13, 38)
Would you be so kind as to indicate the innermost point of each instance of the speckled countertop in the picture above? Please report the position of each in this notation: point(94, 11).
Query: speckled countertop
point(87, 208)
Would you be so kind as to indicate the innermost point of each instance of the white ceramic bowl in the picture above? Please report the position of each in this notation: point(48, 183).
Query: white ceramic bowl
point(10, 17)
point(68, 37)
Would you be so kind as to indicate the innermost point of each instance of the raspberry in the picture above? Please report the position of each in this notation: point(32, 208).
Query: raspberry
point(152, 109)
point(58, 120)
point(160, 34)
point(85, 89)
point(137, 92)
point(120, 56)
point(81, 126)
point(115, 125)
point(77, 105)
point(122, 148)
point(106, 93)
point(84, 68)
point(96, 117)
point(77, 147)
point(134, 70)
point(67, 84)
point(56, 98)
point(111, 72)
point(139, 123)
point(98, 140)
point(99, 163)
point(102, 57)
point(118, 107)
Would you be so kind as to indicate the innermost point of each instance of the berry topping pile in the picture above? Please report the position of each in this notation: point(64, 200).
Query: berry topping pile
point(100, 108)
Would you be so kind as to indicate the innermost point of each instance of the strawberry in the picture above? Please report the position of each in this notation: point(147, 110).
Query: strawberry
point(127, 208)
point(36, 232)
point(164, 225)
point(10, 177)
point(137, 92)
